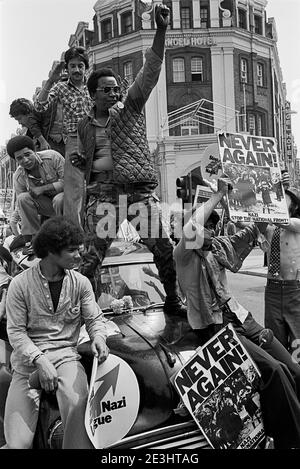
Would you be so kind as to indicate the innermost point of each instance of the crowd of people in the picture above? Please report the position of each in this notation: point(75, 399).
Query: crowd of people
point(83, 167)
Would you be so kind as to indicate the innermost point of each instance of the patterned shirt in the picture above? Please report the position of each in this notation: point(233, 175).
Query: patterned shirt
point(76, 103)
point(33, 325)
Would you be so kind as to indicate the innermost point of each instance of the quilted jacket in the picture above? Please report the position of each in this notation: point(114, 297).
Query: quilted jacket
point(132, 161)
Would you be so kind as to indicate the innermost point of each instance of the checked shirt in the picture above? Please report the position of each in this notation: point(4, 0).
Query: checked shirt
point(76, 103)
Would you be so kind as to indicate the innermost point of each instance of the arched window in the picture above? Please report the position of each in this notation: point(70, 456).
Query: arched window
point(197, 68)
point(178, 70)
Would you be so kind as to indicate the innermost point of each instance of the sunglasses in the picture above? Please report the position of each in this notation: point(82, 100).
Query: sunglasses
point(108, 89)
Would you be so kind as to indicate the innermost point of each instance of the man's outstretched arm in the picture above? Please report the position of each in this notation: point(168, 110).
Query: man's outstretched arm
point(162, 14)
point(147, 77)
point(203, 213)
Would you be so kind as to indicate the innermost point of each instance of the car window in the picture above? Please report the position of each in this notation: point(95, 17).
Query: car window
point(140, 281)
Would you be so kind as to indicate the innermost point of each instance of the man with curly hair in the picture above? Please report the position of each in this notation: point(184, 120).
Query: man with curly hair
point(45, 306)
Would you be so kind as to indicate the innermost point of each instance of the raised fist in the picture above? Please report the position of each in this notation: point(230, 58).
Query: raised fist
point(162, 13)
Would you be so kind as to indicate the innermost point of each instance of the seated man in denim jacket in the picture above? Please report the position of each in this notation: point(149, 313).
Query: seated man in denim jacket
point(38, 184)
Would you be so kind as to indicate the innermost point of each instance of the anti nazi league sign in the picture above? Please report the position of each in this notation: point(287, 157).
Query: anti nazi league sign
point(113, 401)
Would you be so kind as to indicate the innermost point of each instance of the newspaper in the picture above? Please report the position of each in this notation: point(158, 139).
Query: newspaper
point(203, 193)
point(252, 164)
point(218, 385)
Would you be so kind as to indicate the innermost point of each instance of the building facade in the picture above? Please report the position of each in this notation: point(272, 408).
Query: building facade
point(221, 72)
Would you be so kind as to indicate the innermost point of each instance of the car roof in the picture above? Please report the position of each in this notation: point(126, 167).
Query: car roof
point(127, 252)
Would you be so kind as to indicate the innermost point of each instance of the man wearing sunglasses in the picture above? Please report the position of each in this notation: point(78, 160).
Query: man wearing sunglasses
point(115, 156)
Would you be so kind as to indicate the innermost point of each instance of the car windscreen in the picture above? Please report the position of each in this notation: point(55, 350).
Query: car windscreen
point(140, 281)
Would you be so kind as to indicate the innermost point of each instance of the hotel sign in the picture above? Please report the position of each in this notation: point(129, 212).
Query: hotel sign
point(288, 131)
point(192, 41)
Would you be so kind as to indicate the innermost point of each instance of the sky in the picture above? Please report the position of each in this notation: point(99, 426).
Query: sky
point(34, 33)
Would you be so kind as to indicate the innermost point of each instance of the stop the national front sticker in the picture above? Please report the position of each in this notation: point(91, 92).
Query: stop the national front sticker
point(113, 401)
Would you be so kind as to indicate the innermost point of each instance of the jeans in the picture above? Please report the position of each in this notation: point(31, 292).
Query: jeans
point(31, 207)
point(123, 202)
point(22, 405)
point(73, 184)
point(282, 311)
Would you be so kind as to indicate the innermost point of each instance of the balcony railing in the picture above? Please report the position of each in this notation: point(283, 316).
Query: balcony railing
point(206, 113)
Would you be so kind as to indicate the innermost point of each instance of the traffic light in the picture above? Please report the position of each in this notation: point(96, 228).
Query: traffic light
point(182, 190)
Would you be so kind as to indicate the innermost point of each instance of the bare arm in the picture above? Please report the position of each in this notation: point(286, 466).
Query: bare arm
point(162, 14)
point(147, 77)
point(203, 213)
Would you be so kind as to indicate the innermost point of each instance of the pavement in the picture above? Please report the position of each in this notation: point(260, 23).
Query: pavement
point(253, 264)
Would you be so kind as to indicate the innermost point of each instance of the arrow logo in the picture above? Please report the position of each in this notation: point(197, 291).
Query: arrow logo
point(109, 380)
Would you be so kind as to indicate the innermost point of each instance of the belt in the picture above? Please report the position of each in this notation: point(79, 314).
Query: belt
point(291, 283)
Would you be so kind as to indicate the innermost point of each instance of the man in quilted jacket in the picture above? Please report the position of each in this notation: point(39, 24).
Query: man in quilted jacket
point(120, 177)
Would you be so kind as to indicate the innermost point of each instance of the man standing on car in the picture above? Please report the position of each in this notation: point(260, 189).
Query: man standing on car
point(115, 156)
point(201, 261)
point(45, 307)
point(76, 103)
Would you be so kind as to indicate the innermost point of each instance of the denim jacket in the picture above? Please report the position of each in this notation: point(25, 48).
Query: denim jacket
point(33, 326)
point(51, 167)
point(202, 275)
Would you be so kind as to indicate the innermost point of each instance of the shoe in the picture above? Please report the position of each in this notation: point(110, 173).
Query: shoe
point(175, 306)
point(28, 250)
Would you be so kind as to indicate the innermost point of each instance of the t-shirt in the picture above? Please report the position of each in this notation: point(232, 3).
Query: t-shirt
point(55, 289)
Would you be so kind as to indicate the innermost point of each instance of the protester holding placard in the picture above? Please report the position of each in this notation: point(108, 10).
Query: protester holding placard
point(252, 165)
point(201, 262)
